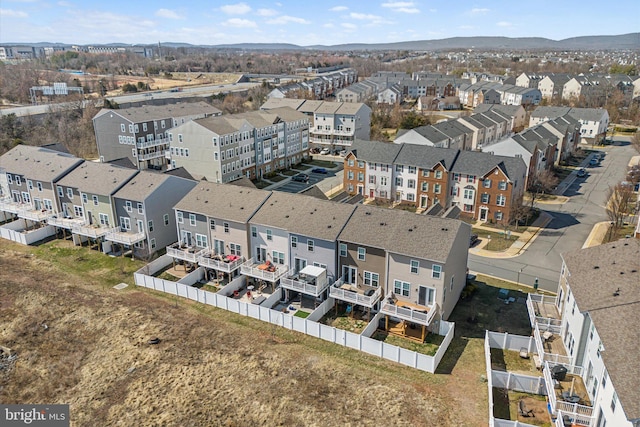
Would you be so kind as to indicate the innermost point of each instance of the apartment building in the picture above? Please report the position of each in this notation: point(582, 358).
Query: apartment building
point(252, 144)
point(590, 329)
point(593, 121)
point(139, 133)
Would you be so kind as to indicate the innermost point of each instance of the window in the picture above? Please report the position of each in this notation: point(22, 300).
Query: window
point(104, 219)
point(412, 169)
point(128, 206)
point(30, 184)
point(310, 245)
point(60, 189)
point(180, 137)
point(78, 211)
point(438, 174)
point(451, 283)
point(180, 216)
point(212, 224)
point(150, 226)
point(269, 235)
point(278, 257)
point(401, 288)
point(371, 279)
point(18, 180)
point(415, 266)
point(485, 198)
point(343, 250)
point(424, 186)
point(294, 242)
point(85, 198)
point(165, 219)
point(122, 127)
point(39, 184)
point(254, 232)
point(437, 188)
point(501, 200)
point(425, 173)
point(95, 200)
point(614, 401)
point(399, 168)
point(411, 183)
point(201, 240)
point(362, 254)
point(225, 225)
point(498, 216)
point(192, 219)
point(486, 183)
point(140, 209)
point(70, 193)
point(153, 243)
point(604, 379)
point(351, 162)
point(235, 249)
point(502, 185)
point(436, 270)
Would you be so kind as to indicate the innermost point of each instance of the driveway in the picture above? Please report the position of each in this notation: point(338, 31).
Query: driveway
point(571, 224)
point(291, 186)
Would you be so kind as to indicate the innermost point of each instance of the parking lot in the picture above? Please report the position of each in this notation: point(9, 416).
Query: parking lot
point(296, 187)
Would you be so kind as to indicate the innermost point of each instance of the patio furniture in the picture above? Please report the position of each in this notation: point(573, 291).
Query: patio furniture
point(524, 353)
point(547, 335)
point(523, 411)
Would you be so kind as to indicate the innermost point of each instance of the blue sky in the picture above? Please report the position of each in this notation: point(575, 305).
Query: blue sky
point(307, 22)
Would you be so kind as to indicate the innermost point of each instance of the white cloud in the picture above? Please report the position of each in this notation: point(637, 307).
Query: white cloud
point(267, 12)
point(10, 13)
point(328, 25)
point(349, 26)
point(236, 9)
point(169, 14)
point(286, 19)
point(240, 23)
point(479, 11)
point(504, 24)
point(366, 16)
point(402, 6)
point(338, 8)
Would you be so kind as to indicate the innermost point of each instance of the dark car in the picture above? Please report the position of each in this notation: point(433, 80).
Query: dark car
point(582, 173)
point(473, 240)
point(301, 177)
point(319, 170)
point(594, 162)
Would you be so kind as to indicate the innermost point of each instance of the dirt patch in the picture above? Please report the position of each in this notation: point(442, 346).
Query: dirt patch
point(80, 342)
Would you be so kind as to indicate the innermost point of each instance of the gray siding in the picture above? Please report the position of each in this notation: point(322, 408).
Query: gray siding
point(324, 252)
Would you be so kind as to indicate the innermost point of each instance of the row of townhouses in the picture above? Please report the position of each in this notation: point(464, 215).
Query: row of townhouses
point(140, 133)
point(410, 266)
point(593, 121)
point(472, 95)
point(326, 84)
point(589, 333)
point(482, 185)
point(333, 125)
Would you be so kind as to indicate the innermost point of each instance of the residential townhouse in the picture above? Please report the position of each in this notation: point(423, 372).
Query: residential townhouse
point(212, 227)
point(460, 136)
point(534, 153)
point(252, 144)
point(591, 90)
point(301, 233)
point(472, 95)
point(423, 135)
point(529, 80)
point(28, 178)
point(593, 121)
point(517, 113)
point(85, 200)
point(139, 133)
point(391, 95)
point(486, 187)
point(357, 92)
point(146, 222)
point(551, 86)
point(580, 329)
point(379, 159)
point(319, 87)
point(413, 267)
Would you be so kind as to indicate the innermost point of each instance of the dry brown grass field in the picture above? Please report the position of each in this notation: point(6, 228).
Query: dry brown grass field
point(81, 342)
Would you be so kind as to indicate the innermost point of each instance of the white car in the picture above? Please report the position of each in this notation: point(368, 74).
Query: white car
point(325, 151)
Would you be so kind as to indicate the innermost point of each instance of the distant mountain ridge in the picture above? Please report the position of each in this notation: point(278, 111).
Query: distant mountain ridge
point(622, 41)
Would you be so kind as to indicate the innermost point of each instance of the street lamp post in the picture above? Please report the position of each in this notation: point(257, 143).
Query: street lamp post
point(519, 271)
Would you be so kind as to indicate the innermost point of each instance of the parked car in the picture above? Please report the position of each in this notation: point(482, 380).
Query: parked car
point(319, 170)
point(325, 151)
point(594, 162)
point(473, 240)
point(582, 173)
point(301, 177)
point(343, 153)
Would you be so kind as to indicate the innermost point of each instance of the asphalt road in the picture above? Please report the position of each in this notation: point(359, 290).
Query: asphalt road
point(296, 187)
point(187, 91)
point(572, 222)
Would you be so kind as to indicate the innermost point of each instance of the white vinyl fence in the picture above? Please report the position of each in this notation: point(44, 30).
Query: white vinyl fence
point(16, 231)
point(144, 278)
point(509, 380)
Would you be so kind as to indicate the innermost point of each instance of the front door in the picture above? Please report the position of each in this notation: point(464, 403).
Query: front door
point(426, 295)
point(140, 226)
point(360, 190)
point(299, 264)
point(261, 254)
point(371, 194)
point(483, 214)
point(218, 246)
point(349, 274)
point(186, 237)
point(424, 201)
point(37, 204)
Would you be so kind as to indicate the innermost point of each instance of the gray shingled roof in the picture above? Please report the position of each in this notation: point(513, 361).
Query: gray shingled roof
point(223, 201)
point(158, 112)
point(97, 178)
point(596, 273)
point(376, 151)
point(547, 111)
point(401, 232)
point(425, 157)
point(142, 185)
point(281, 102)
point(37, 163)
point(305, 215)
point(479, 164)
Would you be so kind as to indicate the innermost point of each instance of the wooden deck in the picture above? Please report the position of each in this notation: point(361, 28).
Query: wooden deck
point(546, 309)
point(555, 345)
point(579, 388)
point(403, 329)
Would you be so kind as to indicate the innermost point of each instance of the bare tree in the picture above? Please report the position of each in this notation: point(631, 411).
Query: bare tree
point(635, 141)
point(542, 182)
point(620, 202)
point(519, 212)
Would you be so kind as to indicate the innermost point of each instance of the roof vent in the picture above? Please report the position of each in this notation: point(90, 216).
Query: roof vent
point(206, 201)
point(329, 226)
point(622, 272)
point(617, 293)
point(286, 216)
point(241, 208)
point(410, 230)
point(367, 213)
point(595, 267)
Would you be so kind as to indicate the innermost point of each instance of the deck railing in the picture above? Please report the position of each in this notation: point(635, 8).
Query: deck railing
point(355, 297)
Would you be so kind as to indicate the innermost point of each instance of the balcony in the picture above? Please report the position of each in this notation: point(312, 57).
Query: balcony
point(152, 143)
point(569, 397)
point(225, 264)
point(409, 312)
point(332, 132)
point(184, 252)
point(68, 223)
point(124, 237)
point(93, 231)
point(354, 295)
point(154, 155)
point(9, 205)
point(550, 346)
point(263, 270)
point(543, 311)
point(38, 215)
point(310, 280)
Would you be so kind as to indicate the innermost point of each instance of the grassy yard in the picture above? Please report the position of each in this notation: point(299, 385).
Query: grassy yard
point(261, 184)
point(429, 347)
point(509, 360)
point(322, 164)
point(303, 314)
point(497, 241)
point(289, 172)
